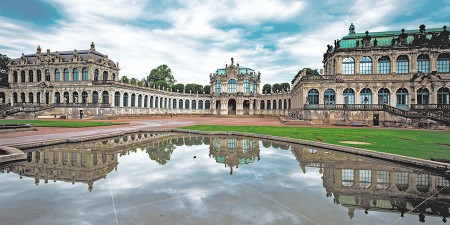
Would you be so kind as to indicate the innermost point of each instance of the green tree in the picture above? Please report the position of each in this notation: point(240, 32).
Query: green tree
point(189, 88)
point(125, 79)
point(267, 88)
point(276, 88)
point(162, 84)
point(4, 60)
point(285, 87)
point(178, 87)
point(207, 89)
point(198, 88)
point(133, 81)
point(309, 72)
point(161, 73)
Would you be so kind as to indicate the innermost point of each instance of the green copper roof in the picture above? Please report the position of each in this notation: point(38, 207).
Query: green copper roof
point(242, 70)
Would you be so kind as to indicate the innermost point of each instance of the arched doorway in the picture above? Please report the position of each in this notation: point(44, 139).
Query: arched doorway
point(218, 107)
point(231, 107)
point(246, 106)
point(2, 97)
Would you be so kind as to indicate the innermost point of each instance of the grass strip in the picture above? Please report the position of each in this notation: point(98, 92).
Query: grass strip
point(60, 123)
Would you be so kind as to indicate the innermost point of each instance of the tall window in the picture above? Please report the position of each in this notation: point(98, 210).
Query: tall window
point(105, 75)
point(218, 86)
point(423, 63)
point(146, 101)
point(402, 64)
point(22, 76)
point(246, 86)
point(186, 104)
point(139, 101)
point(75, 74)
point(156, 102)
point(365, 65)
point(133, 100)
point(402, 98)
point(84, 76)
point(365, 178)
point(57, 75)
point(66, 74)
point(348, 177)
point(443, 63)
point(180, 104)
point(174, 103)
point(313, 97)
point(95, 97)
point(75, 97)
point(274, 104)
point(151, 101)
point(268, 104)
point(95, 74)
point(443, 95)
point(384, 96)
point(349, 96)
point(47, 75)
point(84, 97)
point(232, 86)
point(125, 100)
point(30, 76)
point(39, 75)
point(329, 97)
point(105, 97)
point(117, 99)
point(194, 105)
point(348, 66)
point(423, 96)
point(262, 106)
point(30, 97)
point(207, 104)
point(384, 65)
point(200, 104)
point(254, 87)
point(66, 97)
point(57, 97)
point(366, 96)
point(15, 79)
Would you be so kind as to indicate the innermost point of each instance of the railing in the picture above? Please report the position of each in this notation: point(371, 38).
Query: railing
point(83, 105)
point(351, 107)
point(318, 77)
point(434, 107)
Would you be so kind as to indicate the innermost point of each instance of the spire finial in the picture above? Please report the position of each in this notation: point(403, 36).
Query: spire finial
point(92, 46)
point(351, 29)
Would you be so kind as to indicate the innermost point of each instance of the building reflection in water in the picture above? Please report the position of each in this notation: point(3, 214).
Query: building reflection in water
point(354, 182)
point(360, 183)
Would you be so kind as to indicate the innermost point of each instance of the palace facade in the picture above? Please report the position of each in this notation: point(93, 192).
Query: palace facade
point(394, 78)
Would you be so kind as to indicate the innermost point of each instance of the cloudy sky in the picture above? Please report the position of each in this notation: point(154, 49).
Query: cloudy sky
point(196, 37)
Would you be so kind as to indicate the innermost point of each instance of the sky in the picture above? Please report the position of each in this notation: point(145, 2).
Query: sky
point(197, 37)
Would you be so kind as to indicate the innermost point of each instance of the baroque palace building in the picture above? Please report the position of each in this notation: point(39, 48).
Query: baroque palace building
point(393, 78)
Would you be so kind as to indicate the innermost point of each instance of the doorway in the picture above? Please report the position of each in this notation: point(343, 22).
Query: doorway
point(376, 119)
point(231, 107)
point(218, 107)
point(246, 106)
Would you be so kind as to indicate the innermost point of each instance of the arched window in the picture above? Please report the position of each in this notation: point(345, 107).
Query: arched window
point(146, 101)
point(57, 97)
point(365, 178)
point(423, 96)
point(84, 97)
point(349, 96)
point(285, 104)
point(200, 104)
point(262, 105)
point(133, 100)
point(365, 65)
point(39, 75)
point(114, 76)
point(15, 77)
point(274, 104)
point(329, 97)
point(174, 104)
point(348, 66)
point(217, 86)
point(402, 98)
point(194, 104)
point(105, 75)
point(232, 86)
point(57, 75)
point(161, 102)
point(156, 102)
point(140, 101)
point(75, 74)
point(96, 75)
point(30, 97)
point(443, 95)
point(423, 63)
point(366, 96)
point(254, 87)
point(105, 97)
point(383, 180)
point(125, 100)
point(66, 97)
point(348, 177)
point(95, 97)
point(443, 63)
point(384, 65)
point(402, 64)
point(22, 76)
point(246, 86)
point(207, 104)
point(313, 97)
point(384, 96)
point(30, 76)
point(84, 76)
point(180, 104)
point(75, 97)
point(47, 75)
point(117, 99)
point(186, 104)
point(268, 104)
point(66, 75)
point(151, 101)
point(289, 104)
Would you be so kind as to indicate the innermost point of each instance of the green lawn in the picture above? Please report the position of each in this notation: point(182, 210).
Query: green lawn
point(413, 143)
point(59, 123)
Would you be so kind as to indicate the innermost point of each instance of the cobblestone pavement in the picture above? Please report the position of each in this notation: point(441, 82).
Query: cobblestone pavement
point(148, 124)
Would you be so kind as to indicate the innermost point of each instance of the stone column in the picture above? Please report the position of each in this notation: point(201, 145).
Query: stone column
point(357, 69)
point(413, 63)
point(433, 62)
point(375, 64)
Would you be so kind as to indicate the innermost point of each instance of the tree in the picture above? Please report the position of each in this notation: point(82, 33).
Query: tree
point(276, 88)
point(125, 79)
point(134, 81)
point(189, 88)
point(161, 73)
point(162, 84)
point(267, 88)
point(4, 60)
point(309, 72)
point(178, 87)
point(198, 88)
point(207, 89)
point(285, 87)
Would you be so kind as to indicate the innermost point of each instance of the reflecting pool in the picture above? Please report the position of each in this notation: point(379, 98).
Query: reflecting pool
point(172, 178)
